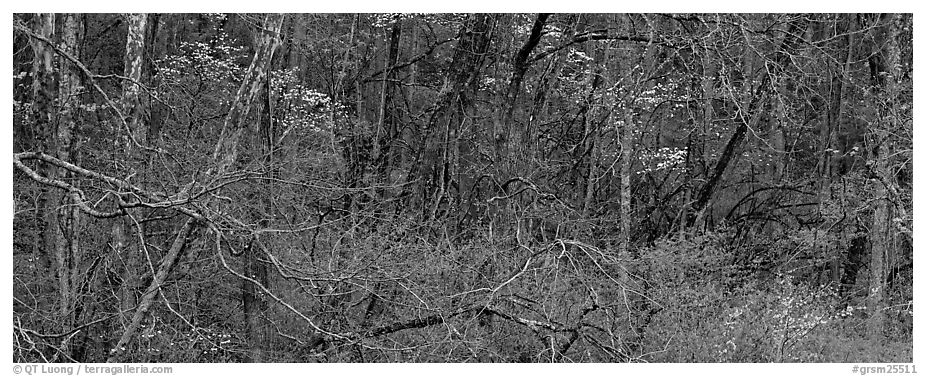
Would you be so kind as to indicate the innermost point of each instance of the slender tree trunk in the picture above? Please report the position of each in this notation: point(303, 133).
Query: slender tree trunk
point(880, 241)
point(834, 125)
point(156, 112)
point(884, 75)
point(591, 147)
point(388, 119)
point(44, 92)
point(226, 151)
point(626, 142)
point(255, 306)
point(133, 107)
point(147, 299)
point(67, 236)
point(253, 302)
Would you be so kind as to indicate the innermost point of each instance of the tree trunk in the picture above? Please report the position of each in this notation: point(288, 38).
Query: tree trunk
point(133, 107)
point(253, 302)
point(388, 119)
point(884, 76)
point(226, 150)
point(147, 299)
point(64, 223)
point(833, 126)
point(44, 92)
point(591, 140)
point(504, 131)
point(881, 238)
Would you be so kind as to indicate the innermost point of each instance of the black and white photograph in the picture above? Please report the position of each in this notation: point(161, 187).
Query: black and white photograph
point(461, 188)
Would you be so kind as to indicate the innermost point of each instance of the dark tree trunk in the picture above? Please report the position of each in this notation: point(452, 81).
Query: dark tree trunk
point(253, 302)
point(504, 132)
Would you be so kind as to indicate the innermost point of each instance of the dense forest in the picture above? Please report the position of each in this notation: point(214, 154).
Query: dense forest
point(462, 187)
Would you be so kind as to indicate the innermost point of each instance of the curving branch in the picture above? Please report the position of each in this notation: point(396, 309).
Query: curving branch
point(411, 61)
point(76, 193)
point(158, 200)
point(594, 35)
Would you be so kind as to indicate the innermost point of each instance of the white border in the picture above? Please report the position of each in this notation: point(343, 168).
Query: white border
point(472, 6)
